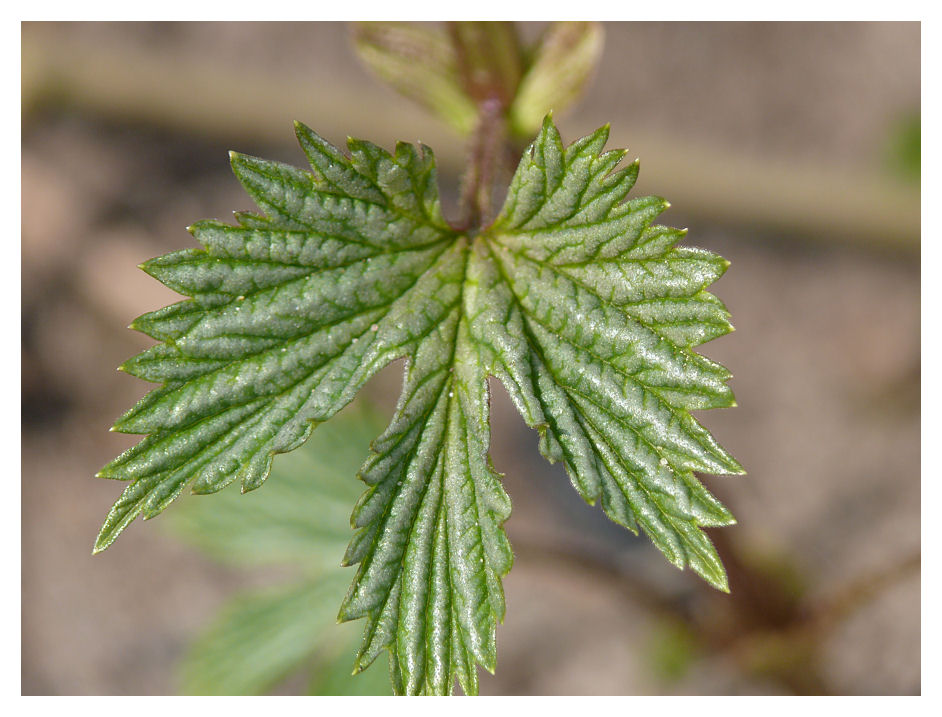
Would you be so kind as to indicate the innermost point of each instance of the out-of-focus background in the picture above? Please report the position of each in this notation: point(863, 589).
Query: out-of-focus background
point(791, 149)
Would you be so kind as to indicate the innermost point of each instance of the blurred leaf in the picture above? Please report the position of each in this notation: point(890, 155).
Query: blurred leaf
point(562, 63)
point(673, 648)
point(421, 63)
point(904, 154)
point(261, 638)
point(303, 516)
point(332, 674)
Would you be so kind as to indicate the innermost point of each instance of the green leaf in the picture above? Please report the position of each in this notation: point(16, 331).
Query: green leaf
point(573, 298)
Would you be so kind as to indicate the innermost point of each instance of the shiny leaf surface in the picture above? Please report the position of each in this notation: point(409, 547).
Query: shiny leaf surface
point(581, 305)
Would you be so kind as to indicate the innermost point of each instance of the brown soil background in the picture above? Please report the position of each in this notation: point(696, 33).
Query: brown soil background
point(825, 359)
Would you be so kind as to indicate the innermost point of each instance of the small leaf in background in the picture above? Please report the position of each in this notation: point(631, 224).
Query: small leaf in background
point(420, 62)
point(559, 69)
point(260, 638)
point(302, 519)
point(672, 649)
point(904, 150)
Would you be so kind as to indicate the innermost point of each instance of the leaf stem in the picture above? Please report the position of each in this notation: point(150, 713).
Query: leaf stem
point(490, 61)
point(489, 145)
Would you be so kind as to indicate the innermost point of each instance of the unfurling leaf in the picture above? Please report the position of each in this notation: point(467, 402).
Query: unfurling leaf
point(584, 309)
point(557, 75)
point(421, 64)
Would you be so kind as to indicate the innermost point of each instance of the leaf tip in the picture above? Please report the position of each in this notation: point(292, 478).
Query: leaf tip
point(102, 542)
point(305, 134)
point(344, 616)
point(735, 467)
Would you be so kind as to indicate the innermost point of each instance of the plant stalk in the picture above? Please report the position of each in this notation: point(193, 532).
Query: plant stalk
point(490, 63)
point(489, 146)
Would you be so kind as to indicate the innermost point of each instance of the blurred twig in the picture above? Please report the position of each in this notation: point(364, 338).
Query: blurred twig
point(829, 612)
point(598, 569)
point(764, 628)
point(199, 97)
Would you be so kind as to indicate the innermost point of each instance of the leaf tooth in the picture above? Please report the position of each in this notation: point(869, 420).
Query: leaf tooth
point(360, 545)
point(170, 322)
point(336, 170)
point(616, 505)
point(117, 520)
point(280, 190)
point(702, 557)
point(250, 220)
point(550, 154)
point(605, 191)
point(380, 628)
point(590, 145)
point(655, 241)
point(707, 510)
point(164, 363)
